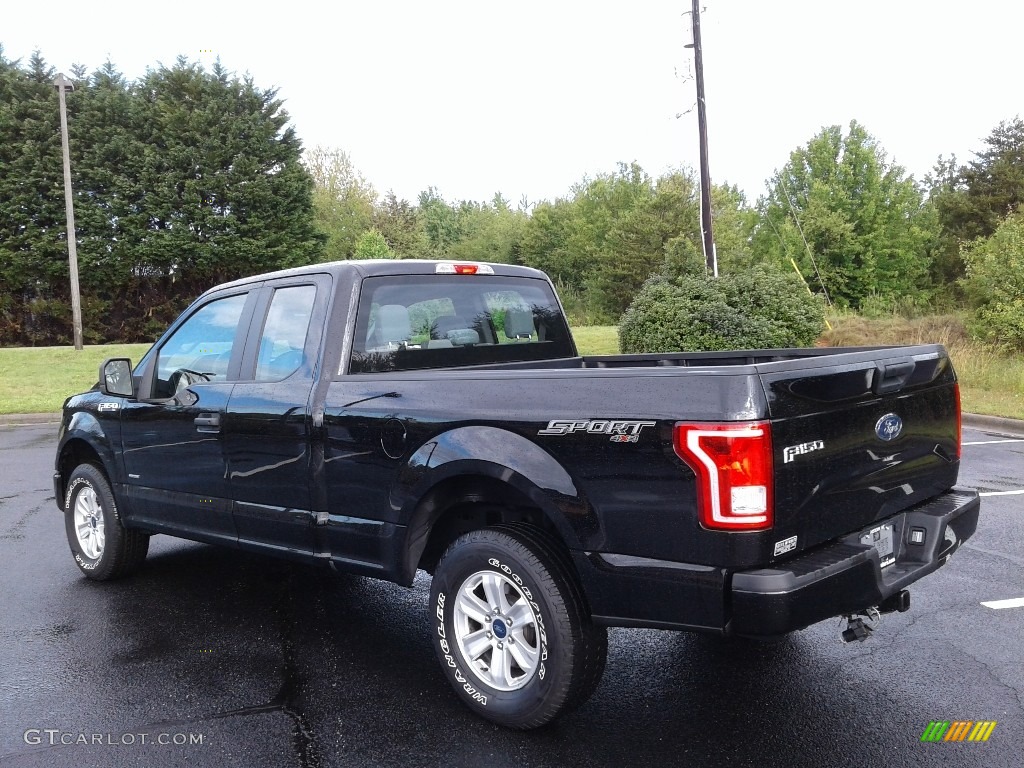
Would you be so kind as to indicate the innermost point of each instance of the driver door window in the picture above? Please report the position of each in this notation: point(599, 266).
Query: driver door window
point(200, 350)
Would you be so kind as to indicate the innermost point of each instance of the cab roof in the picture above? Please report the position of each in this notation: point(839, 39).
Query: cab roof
point(378, 267)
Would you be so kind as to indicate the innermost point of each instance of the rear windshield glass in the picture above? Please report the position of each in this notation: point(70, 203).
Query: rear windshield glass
point(412, 322)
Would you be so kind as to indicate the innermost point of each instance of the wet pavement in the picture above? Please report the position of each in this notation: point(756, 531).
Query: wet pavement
point(211, 657)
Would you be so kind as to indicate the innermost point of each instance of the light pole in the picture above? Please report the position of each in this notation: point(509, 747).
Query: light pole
point(62, 83)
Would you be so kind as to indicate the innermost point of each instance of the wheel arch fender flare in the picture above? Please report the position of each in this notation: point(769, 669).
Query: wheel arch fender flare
point(84, 433)
point(496, 454)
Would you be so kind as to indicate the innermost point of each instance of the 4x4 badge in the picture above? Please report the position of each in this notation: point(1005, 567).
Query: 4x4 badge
point(889, 427)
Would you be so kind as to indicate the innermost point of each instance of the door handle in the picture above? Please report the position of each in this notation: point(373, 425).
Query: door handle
point(207, 422)
point(893, 376)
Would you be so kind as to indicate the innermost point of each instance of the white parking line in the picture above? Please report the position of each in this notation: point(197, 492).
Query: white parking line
point(1001, 493)
point(993, 442)
point(1017, 602)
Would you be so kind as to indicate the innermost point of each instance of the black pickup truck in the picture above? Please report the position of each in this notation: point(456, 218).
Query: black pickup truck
point(386, 417)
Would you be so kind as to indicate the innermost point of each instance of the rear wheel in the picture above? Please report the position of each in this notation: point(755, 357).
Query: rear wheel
point(102, 547)
point(513, 632)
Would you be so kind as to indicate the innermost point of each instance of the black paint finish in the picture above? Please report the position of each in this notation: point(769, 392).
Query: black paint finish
point(359, 470)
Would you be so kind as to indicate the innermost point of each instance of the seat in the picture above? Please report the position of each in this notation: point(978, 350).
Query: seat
point(519, 324)
point(392, 326)
point(455, 330)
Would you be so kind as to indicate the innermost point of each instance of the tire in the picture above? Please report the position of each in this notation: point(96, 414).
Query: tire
point(102, 547)
point(595, 638)
point(512, 629)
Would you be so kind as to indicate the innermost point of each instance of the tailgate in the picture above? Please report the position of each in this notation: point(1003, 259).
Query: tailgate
point(858, 437)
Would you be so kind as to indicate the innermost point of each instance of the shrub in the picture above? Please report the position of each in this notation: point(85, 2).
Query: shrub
point(995, 284)
point(756, 309)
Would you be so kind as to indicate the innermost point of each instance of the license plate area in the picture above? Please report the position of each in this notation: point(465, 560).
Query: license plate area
point(881, 538)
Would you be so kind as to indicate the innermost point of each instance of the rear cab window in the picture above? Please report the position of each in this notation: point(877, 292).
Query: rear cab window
point(283, 341)
point(412, 322)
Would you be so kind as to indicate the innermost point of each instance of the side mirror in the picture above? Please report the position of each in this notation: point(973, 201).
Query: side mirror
point(116, 377)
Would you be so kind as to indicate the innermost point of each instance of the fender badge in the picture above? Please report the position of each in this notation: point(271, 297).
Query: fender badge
point(889, 427)
point(618, 430)
point(108, 407)
point(790, 452)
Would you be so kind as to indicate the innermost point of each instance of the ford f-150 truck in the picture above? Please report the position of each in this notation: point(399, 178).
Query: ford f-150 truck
point(386, 417)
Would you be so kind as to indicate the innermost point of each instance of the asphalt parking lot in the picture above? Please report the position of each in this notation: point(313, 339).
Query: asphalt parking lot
point(210, 657)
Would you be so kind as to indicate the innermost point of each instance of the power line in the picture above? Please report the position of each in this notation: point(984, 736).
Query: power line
point(792, 210)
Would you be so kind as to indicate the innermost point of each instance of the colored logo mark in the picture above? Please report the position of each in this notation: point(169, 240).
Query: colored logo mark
point(889, 427)
point(958, 730)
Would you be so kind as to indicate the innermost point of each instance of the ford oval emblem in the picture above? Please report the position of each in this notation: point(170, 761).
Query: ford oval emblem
point(889, 427)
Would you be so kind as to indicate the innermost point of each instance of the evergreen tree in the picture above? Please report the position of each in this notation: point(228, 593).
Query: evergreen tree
point(105, 162)
point(989, 188)
point(181, 180)
point(33, 246)
point(971, 200)
point(226, 193)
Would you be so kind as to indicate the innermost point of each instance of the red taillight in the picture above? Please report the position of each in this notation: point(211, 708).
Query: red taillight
point(959, 421)
point(465, 269)
point(733, 464)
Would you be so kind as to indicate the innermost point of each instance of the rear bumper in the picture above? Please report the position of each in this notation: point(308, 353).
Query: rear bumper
point(846, 576)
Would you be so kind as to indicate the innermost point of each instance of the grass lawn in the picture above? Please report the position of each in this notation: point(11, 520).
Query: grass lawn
point(38, 379)
point(597, 339)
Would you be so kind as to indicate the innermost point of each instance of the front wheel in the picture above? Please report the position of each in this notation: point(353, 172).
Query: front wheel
point(102, 547)
point(512, 629)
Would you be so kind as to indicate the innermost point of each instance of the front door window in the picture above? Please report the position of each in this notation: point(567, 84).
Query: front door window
point(200, 349)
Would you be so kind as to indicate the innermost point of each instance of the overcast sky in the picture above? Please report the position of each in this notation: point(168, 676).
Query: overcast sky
point(528, 97)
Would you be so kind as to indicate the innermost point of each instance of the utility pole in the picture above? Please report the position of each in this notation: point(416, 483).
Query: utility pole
point(63, 83)
point(710, 257)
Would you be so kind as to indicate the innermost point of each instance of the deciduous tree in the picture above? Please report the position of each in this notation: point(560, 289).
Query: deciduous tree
point(850, 218)
point(343, 201)
point(372, 245)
